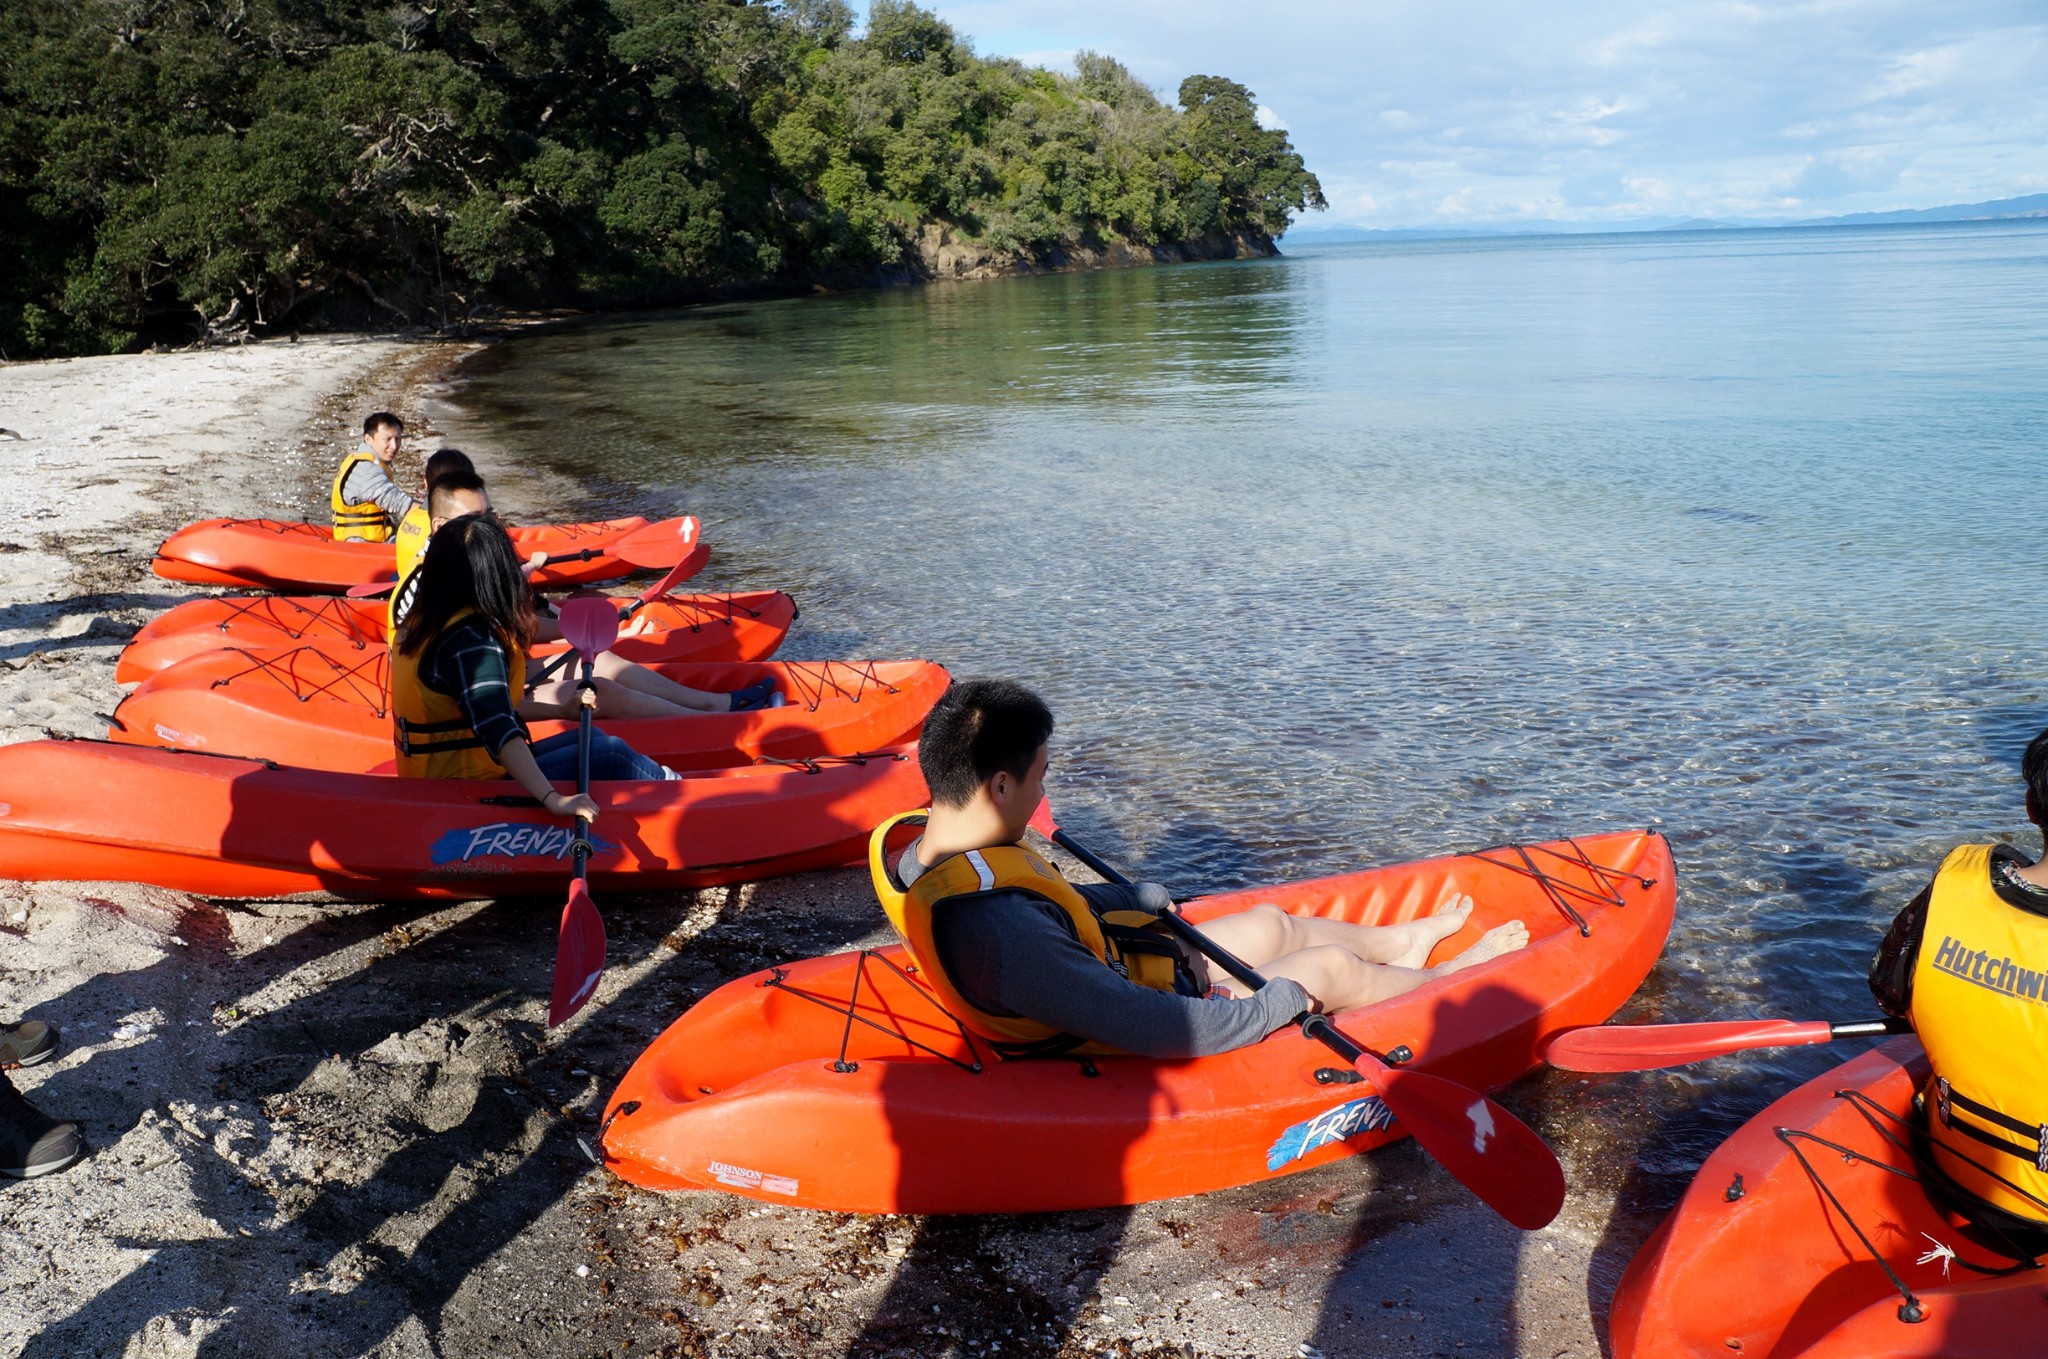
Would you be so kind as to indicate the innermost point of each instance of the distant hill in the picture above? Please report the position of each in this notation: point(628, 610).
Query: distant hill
point(1997, 210)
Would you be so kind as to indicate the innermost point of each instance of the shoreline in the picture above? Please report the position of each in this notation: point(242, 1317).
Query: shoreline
point(341, 1130)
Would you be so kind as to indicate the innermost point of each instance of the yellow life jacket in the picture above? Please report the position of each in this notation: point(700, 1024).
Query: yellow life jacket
point(1980, 1006)
point(414, 531)
point(362, 521)
point(434, 739)
point(1128, 941)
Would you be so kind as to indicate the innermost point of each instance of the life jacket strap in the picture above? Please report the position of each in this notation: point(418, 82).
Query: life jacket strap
point(1947, 1099)
point(409, 731)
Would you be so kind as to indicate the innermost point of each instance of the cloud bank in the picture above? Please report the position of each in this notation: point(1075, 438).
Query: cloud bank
point(1417, 114)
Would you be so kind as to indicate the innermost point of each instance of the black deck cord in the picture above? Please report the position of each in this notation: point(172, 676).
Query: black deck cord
point(778, 979)
point(1910, 1310)
point(1870, 1109)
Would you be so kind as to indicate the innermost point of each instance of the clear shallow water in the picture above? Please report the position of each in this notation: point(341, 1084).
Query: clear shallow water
point(1375, 552)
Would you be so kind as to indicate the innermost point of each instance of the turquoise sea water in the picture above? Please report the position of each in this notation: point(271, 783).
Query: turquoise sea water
point(1380, 551)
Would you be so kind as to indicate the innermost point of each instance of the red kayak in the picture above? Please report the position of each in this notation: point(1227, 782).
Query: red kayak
point(721, 627)
point(274, 554)
point(244, 828)
point(839, 1083)
point(309, 708)
point(1762, 1257)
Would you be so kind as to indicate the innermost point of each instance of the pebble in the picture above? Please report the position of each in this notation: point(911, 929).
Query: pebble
point(583, 1271)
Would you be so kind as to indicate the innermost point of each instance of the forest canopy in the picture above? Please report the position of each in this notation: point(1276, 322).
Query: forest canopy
point(186, 168)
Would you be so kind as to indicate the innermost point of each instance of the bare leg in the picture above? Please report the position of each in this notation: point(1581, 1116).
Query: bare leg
point(1266, 932)
point(618, 700)
point(644, 681)
point(1340, 980)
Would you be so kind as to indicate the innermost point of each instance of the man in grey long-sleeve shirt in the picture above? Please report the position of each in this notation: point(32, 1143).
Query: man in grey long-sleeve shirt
point(1010, 952)
point(367, 503)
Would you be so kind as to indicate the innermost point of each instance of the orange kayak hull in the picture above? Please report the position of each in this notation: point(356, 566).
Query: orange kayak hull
point(1776, 1270)
point(714, 627)
point(277, 554)
point(747, 1091)
point(222, 826)
point(309, 708)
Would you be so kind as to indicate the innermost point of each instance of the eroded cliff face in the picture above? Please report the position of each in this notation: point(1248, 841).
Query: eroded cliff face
point(942, 252)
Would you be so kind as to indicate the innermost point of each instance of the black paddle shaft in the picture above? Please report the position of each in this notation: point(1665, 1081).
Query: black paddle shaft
point(547, 671)
point(1316, 1026)
point(585, 690)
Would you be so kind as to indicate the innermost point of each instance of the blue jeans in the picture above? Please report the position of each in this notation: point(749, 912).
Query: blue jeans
point(610, 759)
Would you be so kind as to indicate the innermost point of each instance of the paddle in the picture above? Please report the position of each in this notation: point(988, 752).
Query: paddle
point(657, 547)
point(591, 625)
point(681, 572)
point(1488, 1149)
point(1649, 1047)
point(370, 589)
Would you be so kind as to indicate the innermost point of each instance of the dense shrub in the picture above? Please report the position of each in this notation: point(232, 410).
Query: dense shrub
point(192, 167)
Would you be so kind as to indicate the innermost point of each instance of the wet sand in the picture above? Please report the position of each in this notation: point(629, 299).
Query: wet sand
point(344, 1130)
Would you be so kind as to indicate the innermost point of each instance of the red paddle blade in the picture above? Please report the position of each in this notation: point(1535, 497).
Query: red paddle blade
point(590, 624)
point(677, 574)
point(371, 589)
point(1647, 1047)
point(670, 543)
point(1041, 820)
point(579, 955)
point(1491, 1152)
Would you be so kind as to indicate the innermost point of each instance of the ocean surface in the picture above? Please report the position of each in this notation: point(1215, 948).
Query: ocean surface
point(1379, 551)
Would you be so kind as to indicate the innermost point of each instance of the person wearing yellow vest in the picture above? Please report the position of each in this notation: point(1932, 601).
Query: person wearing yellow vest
point(418, 525)
point(1967, 963)
point(366, 502)
point(458, 671)
point(624, 688)
point(1038, 965)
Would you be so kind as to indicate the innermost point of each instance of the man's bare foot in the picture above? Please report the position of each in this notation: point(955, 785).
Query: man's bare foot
point(1496, 941)
point(1425, 934)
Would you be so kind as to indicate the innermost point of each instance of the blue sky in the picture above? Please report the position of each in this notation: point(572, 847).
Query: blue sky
point(1420, 114)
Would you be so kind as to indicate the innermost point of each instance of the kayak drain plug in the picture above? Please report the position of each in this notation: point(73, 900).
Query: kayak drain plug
point(1734, 1190)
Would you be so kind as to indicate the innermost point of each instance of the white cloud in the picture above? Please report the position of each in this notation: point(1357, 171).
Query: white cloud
point(1604, 109)
point(1270, 120)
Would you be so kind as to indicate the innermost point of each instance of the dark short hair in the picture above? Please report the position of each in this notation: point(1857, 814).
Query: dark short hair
point(470, 564)
point(379, 420)
point(2034, 769)
point(442, 487)
point(981, 727)
point(442, 461)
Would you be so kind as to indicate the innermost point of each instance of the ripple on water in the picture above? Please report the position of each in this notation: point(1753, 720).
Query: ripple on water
point(1371, 554)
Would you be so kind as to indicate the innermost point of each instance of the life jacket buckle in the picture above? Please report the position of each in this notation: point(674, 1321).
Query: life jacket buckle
point(2041, 1149)
point(1941, 1101)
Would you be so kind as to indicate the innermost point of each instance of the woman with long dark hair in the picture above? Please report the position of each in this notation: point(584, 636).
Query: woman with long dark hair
point(458, 677)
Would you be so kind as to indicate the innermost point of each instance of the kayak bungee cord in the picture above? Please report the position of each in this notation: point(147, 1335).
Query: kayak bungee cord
point(778, 978)
point(1602, 893)
point(349, 679)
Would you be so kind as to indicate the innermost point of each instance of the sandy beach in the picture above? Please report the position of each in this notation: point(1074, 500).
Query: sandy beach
point(324, 1130)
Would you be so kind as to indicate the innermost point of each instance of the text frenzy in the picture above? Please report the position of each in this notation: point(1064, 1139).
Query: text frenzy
point(510, 840)
point(1332, 1125)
